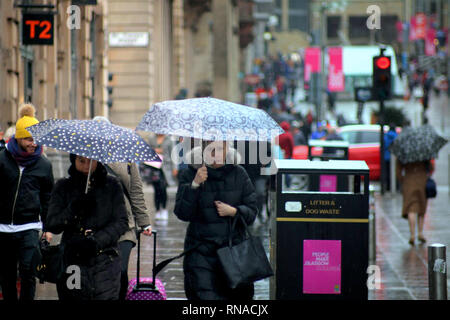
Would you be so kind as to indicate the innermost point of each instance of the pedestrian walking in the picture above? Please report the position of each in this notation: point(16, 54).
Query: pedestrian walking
point(298, 134)
point(413, 178)
point(26, 184)
point(257, 155)
point(286, 140)
point(320, 133)
point(92, 224)
point(138, 216)
point(209, 197)
point(164, 176)
point(2, 141)
point(137, 213)
point(389, 138)
point(415, 148)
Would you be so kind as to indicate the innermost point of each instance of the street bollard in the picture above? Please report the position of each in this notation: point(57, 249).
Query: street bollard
point(372, 225)
point(437, 272)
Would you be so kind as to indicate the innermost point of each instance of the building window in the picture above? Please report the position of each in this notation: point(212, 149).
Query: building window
point(388, 29)
point(28, 80)
point(333, 26)
point(358, 28)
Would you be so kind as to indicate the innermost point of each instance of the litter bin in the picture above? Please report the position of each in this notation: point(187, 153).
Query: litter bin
point(331, 150)
point(319, 239)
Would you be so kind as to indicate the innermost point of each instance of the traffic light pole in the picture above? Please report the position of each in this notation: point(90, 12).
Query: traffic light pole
point(381, 81)
point(382, 163)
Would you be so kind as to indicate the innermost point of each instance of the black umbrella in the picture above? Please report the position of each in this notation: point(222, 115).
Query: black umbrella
point(417, 144)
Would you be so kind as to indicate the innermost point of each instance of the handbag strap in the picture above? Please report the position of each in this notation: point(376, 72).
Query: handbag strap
point(233, 225)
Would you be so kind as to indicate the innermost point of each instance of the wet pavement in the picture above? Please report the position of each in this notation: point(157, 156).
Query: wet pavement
point(404, 268)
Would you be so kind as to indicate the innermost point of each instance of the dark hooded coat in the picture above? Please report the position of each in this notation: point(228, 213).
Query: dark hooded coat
point(204, 279)
point(103, 212)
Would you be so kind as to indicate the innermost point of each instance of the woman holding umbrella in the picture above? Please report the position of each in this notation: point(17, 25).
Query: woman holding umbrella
point(413, 177)
point(92, 223)
point(414, 148)
point(209, 197)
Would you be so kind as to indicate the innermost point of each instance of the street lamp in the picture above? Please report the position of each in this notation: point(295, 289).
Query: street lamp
point(267, 36)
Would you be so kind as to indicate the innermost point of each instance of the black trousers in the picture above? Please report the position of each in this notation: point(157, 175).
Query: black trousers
point(17, 249)
point(160, 194)
point(125, 248)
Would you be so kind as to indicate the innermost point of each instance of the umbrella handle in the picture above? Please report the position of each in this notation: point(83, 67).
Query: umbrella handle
point(88, 177)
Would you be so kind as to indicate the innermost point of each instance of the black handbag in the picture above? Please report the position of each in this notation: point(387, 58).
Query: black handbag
point(245, 262)
point(51, 266)
point(430, 188)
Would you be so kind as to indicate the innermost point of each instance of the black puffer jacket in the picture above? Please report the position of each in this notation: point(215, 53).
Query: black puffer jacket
point(24, 196)
point(231, 185)
point(106, 216)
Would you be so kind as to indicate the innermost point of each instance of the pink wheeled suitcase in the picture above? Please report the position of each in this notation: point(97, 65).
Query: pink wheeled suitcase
point(146, 288)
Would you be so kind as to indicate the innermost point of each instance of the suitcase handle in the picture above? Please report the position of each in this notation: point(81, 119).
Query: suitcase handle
point(145, 286)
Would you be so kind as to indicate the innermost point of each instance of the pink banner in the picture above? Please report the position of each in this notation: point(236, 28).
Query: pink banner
point(322, 266)
point(412, 29)
point(421, 25)
point(430, 47)
point(312, 62)
point(336, 81)
point(399, 27)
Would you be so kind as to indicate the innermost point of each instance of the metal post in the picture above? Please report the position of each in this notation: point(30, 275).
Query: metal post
point(437, 272)
point(372, 226)
point(382, 163)
point(393, 175)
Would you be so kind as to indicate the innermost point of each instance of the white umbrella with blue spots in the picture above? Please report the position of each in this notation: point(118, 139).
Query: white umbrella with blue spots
point(97, 140)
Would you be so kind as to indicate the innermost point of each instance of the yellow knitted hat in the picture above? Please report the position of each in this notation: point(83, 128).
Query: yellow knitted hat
point(26, 119)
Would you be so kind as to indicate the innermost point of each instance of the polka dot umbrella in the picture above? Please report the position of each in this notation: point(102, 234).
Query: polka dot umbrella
point(93, 139)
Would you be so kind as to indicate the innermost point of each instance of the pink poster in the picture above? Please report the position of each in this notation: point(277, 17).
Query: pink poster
point(430, 47)
point(335, 70)
point(412, 29)
point(328, 183)
point(421, 24)
point(322, 266)
point(312, 61)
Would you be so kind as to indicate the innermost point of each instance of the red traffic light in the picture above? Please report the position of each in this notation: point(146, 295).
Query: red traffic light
point(383, 63)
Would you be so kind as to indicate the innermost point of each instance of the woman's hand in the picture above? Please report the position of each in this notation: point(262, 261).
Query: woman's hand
point(202, 175)
point(147, 231)
point(48, 236)
point(225, 210)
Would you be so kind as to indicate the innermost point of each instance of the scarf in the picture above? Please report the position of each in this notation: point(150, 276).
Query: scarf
point(22, 157)
point(98, 177)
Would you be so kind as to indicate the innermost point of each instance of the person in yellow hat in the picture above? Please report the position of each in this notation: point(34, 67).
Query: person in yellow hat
point(26, 184)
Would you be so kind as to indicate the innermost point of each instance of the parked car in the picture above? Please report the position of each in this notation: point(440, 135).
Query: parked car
point(364, 140)
point(364, 144)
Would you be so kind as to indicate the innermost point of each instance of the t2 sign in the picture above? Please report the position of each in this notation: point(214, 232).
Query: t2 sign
point(37, 29)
